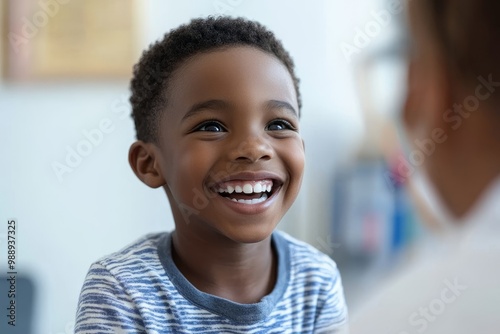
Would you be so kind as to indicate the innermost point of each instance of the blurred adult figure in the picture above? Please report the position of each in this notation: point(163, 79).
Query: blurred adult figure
point(451, 118)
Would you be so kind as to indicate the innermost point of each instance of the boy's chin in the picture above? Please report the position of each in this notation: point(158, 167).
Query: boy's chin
point(250, 235)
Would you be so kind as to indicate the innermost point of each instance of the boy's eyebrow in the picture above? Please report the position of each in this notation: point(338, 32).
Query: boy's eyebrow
point(277, 104)
point(210, 104)
point(221, 105)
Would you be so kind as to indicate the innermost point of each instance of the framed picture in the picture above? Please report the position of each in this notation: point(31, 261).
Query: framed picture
point(53, 39)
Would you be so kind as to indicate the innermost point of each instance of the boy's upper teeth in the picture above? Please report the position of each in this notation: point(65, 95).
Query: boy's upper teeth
point(247, 187)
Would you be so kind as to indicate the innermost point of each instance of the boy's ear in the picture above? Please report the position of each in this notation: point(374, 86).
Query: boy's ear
point(143, 159)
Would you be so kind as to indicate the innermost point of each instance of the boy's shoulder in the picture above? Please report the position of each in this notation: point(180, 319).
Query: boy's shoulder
point(142, 249)
point(301, 255)
point(304, 255)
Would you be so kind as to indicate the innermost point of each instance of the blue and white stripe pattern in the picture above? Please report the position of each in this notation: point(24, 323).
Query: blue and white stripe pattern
point(140, 290)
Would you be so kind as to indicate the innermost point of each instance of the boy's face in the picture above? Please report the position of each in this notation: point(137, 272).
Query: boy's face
point(230, 132)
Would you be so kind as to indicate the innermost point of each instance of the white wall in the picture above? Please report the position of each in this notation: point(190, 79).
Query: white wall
point(100, 206)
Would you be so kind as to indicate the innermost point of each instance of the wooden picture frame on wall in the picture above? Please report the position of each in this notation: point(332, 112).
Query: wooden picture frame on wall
point(70, 39)
point(3, 34)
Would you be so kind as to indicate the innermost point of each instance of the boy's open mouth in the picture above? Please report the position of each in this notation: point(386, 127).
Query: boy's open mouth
point(247, 192)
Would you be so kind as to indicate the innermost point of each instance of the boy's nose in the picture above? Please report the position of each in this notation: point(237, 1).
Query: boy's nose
point(252, 149)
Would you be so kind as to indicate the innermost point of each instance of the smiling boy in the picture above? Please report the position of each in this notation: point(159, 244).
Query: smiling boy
point(216, 108)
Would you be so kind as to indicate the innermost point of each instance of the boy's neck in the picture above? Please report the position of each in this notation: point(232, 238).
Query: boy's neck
point(243, 273)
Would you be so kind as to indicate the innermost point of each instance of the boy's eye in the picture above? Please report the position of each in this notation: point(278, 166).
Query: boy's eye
point(210, 126)
point(279, 125)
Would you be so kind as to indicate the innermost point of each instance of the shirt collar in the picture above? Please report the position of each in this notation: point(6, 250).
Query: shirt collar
point(484, 217)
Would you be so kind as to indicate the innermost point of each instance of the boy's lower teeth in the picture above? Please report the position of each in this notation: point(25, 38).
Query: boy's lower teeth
point(251, 201)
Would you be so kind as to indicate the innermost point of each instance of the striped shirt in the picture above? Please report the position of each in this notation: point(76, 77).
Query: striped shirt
point(140, 290)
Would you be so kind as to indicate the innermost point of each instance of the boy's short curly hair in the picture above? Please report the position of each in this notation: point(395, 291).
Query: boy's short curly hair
point(154, 70)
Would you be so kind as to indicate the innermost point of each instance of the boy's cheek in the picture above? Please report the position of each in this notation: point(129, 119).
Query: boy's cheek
point(294, 159)
point(297, 156)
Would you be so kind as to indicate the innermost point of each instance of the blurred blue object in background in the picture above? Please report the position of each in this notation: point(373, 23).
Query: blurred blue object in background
point(372, 218)
point(374, 223)
point(17, 318)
